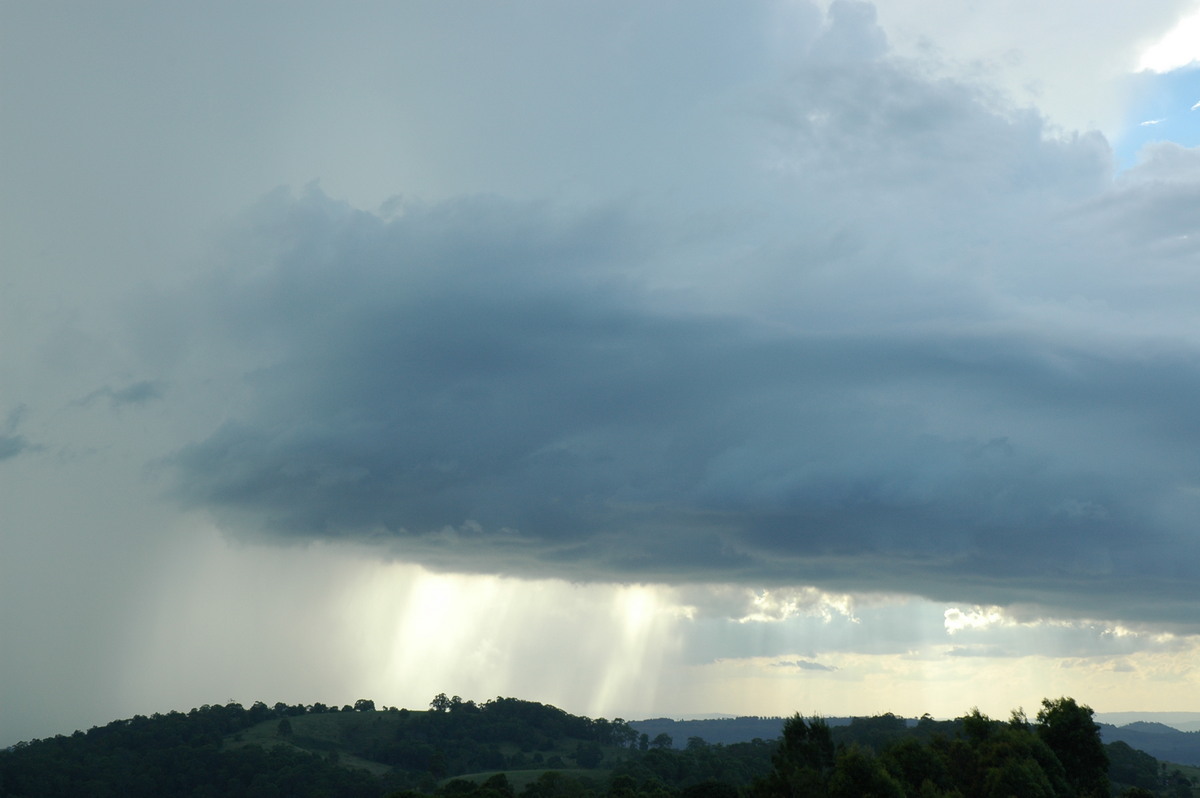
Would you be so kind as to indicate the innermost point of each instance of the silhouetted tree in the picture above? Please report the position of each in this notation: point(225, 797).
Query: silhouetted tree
point(802, 763)
point(1068, 729)
point(858, 774)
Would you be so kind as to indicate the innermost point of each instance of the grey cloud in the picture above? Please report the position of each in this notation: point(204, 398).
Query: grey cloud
point(580, 430)
point(851, 35)
point(12, 445)
point(136, 393)
point(892, 390)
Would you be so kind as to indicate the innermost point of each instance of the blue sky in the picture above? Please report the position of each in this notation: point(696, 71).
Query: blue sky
point(1165, 108)
point(641, 359)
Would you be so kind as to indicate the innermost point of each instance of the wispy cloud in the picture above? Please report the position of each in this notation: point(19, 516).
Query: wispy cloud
point(135, 393)
point(12, 445)
point(804, 665)
point(978, 651)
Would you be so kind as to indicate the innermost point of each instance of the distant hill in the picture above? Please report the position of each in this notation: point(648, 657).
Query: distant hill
point(1179, 721)
point(1148, 727)
point(1157, 739)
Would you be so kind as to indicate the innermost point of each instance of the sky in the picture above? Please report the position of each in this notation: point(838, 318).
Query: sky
point(645, 359)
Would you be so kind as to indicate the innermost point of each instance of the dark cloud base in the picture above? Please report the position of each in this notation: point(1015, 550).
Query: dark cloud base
point(522, 414)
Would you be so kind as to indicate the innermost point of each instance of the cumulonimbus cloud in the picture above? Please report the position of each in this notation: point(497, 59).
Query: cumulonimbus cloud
point(946, 356)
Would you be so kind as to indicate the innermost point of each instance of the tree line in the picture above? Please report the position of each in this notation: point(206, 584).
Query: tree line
point(510, 748)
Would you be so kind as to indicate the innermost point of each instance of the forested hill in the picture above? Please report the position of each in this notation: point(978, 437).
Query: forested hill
point(506, 747)
point(1162, 741)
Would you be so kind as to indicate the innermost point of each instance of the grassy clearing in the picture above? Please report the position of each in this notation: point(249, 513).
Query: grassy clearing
point(325, 733)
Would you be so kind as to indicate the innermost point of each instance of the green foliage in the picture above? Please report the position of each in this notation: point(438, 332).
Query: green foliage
point(588, 756)
point(553, 784)
point(1178, 785)
point(175, 754)
point(508, 748)
point(709, 789)
point(917, 765)
point(858, 774)
point(1068, 728)
point(657, 769)
point(1059, 756)
point(803, 762)
point(497, 786)
point(876, 733)
point(1136, 792)
point(1128, 767)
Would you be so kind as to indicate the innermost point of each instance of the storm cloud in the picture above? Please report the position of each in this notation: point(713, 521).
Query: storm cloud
point(919, 344)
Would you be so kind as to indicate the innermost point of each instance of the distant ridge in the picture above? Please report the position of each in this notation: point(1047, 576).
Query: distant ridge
point(1146, 727)
point(1181, 721)
point(1157, 739)
point(718, 730)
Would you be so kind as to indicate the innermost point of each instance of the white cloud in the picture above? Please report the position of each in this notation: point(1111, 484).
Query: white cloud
point(976, 618)
point(1180, 47)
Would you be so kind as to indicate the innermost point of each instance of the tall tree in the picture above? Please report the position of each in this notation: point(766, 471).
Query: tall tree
point(803, 762)
point(1068, 729)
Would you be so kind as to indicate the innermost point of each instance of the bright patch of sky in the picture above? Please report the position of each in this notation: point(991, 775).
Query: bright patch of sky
point(1164, 107)
point(1178, 49)
point(1164, 94)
